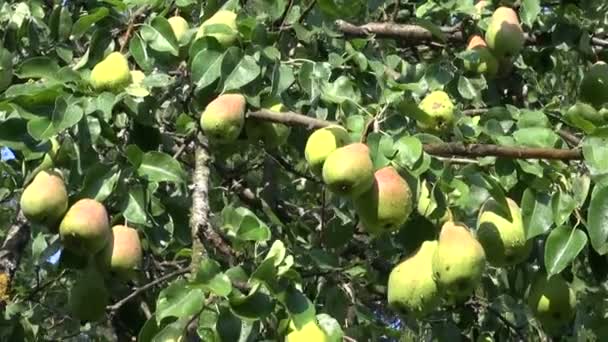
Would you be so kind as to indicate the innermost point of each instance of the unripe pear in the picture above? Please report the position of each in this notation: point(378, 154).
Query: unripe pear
point(503, 239)
point(348, 171)
point(85, 229)
point(411, 287)
point(504, 35)
point(427, 206)
point(179, 26)
point(440, 110)
point(112, 73)
point(387, 204)
point(553, 303)
point(123, 254)
point(310, 331)
point(487, 63)
point(459, 262)
point(221, 26)
point(594, 86)
point(224, 117)
point(321, 143)
point(272, 134)
point(88, 297)
point(45, 199)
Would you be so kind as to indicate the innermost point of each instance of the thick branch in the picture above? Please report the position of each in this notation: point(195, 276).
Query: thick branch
point(10, 254)
point(199, 215)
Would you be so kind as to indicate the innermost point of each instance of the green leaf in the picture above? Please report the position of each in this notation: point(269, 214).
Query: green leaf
point(256, 305)
point(597, 220)
point(595, 152)
point(210, 276)
point(87, 21)
point(206, 67)
point(161, 167)
point(64, 116)
point(160, 36)
point(536, 137)
point(100, 181)
point(562, 247)
point(331, 327)
point(244, 73)
point(536, 213)
point(135, 208)
point(178, 300)
point(529, 11)
point(38, 67)
point(562, 204)
point(273, 8)
point(137, 48)
point(466, 88)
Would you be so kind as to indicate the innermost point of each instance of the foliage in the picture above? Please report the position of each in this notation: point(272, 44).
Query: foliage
point(279, 247)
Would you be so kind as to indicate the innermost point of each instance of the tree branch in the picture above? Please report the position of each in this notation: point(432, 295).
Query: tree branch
point(10, 254)
point(199, 215)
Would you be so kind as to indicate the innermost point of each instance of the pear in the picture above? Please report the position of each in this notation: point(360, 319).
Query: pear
point(112, 73)
point(387, 204)
point(348, 171)
point(487, 63)
point(45, 199)
point(88, 297)
point(85, 229)
point(322, 143)
point(310, 331)
point(123, 254)
point(440, 110)
point(504, 35)
point(271, 134)
point(553, 303)
point(6, 68)
point(503, 239)
point(411, 287)
point(224, 117)
point(179, 26)
point(428, 208)
point(594, 86)
point(221, 26)
point(459, 261)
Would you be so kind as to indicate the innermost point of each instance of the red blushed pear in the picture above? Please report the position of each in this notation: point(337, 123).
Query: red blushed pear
point(123, 253)
point(504, 35)
point(45, 199)
point(387, 204)
point(348, 171)
point(224, 117)
point(85, 229)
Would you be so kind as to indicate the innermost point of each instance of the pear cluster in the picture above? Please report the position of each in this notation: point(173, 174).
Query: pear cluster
point(87, 239)
point(504, 40)
point(381, 198)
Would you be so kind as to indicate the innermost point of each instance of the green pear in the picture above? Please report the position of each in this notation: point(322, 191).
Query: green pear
point(88, 297)
point(123, 254)
point(504, 35)
point(224, 117)
point(487, 63)
point(6, 68)
point(85, 229)
point(411, 287)
point(594, 86)
point(348, 171)
point(321, 143)
point(179, 26)
point(221, 26)
point(553, 303)
point(459, 262)
point(503, 238)
point(427, 206)
point(45, 199)
point(440, 110)
point(272, 134)
point(309, 332)
point(112, 73)
point(387, 204)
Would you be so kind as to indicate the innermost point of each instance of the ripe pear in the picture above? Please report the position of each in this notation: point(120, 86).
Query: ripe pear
point(224, 117)
point(45, 199)
point(503, 239)
point(504, 35)
point(348, 171)
point(88, 297)
point(310, 331)
point(270, 133)
point(123, 254)
point(387, 204)
point(411, 287)
point(487, 63)
point(322, 143)
point(221, 26)
point(439, 108)
point(594, 86)
point(85, 229)
point(179, 26)
point(112, 73)
point(553, 303)
point(428, 208)
point(459, 261)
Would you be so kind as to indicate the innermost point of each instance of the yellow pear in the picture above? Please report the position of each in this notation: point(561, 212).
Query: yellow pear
point(179, 26)
point(309, 332)
point(440, 110)
point(321, 143)
point(45, 199)
point(112, 73)
point(221, 26)
point(504, 35)
point(553, 303)
point(123, 254)
point(349, 171)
